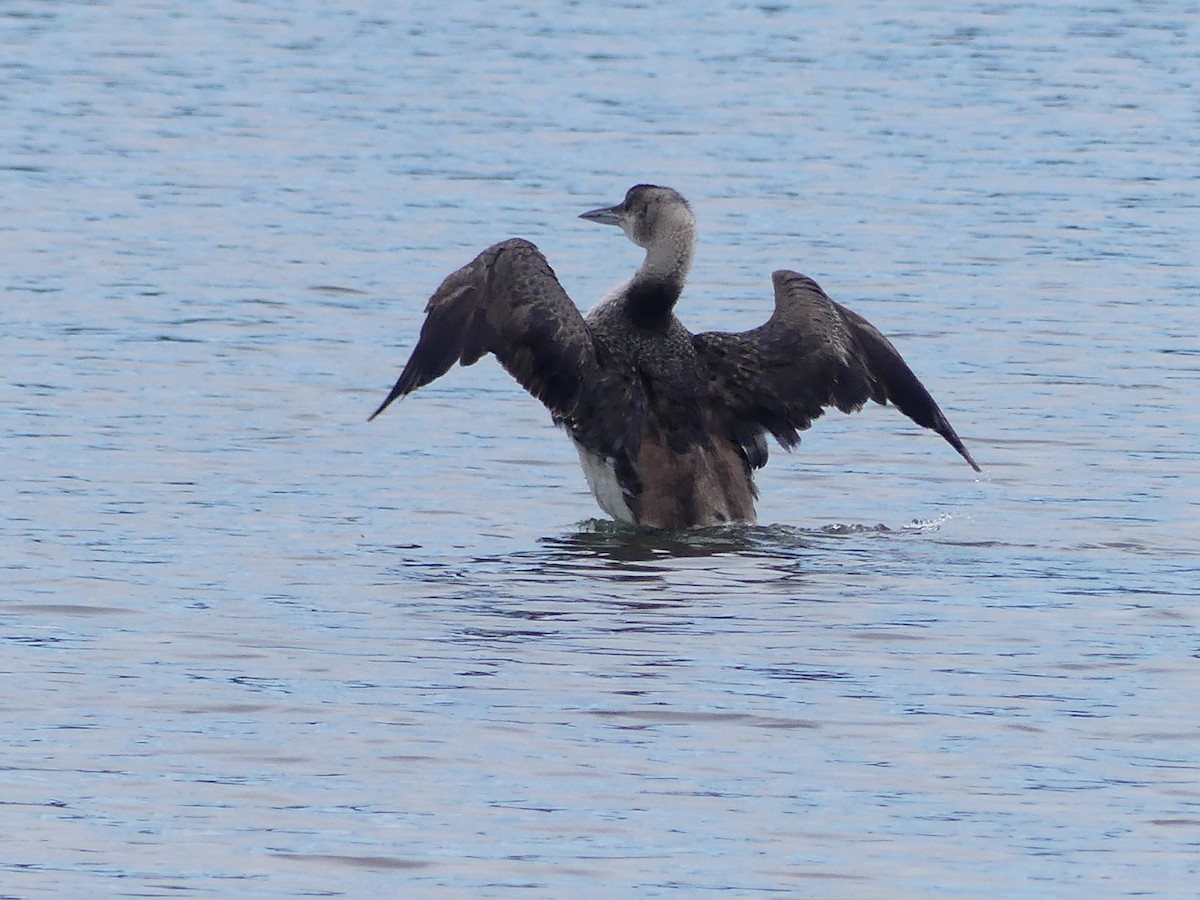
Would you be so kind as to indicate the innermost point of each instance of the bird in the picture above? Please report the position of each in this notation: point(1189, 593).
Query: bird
point(670, 426)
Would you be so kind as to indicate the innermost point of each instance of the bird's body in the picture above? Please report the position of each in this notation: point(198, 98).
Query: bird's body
point(682, 474)
point(669, 426)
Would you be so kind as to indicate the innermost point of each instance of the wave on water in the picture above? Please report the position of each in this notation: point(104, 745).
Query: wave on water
point(630, 543)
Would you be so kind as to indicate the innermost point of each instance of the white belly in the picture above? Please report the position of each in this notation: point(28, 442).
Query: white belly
point(602, 479)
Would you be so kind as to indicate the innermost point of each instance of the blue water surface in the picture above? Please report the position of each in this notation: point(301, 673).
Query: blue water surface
point(253, 646)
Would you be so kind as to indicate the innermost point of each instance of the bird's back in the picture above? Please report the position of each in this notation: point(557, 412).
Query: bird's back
point(680, 473)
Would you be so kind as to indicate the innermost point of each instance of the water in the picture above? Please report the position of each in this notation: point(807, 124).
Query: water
point(255, 647)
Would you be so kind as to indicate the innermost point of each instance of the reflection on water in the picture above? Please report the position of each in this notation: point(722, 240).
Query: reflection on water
point(619, 543)
point(333, 658)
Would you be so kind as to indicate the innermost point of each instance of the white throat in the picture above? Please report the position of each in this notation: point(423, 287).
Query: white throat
point(669, 257)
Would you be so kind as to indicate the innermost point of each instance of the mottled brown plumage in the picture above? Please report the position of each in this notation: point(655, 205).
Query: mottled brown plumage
point(811, 354)
point(508, 302)
point(669, 425)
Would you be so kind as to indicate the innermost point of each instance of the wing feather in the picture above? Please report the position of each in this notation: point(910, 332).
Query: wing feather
point(811, 354)
point(508, 302)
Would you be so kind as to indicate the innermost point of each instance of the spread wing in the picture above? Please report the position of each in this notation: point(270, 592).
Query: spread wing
point(508, 302)
point(811, 354)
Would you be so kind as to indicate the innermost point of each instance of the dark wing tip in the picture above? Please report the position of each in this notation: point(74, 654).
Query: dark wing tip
point(413, 377)
point(964, 453)
point(385, 404)
point(902, 387)
point(942, 426)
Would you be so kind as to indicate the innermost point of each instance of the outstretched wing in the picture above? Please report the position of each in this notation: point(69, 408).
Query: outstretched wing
point(811, 354)
point(508, 302)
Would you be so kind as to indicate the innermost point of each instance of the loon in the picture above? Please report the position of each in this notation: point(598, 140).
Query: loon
point(669, 425)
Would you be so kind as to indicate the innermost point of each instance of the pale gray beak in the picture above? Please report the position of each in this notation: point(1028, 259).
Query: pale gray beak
point(609, 215)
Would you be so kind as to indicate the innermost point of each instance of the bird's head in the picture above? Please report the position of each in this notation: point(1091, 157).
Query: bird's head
point(648, 215)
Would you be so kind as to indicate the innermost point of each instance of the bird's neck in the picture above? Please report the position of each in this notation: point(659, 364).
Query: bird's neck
point(657, 284)
point(670, 256)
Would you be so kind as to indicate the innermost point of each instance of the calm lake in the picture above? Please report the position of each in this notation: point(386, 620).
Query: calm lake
point(253, 646)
